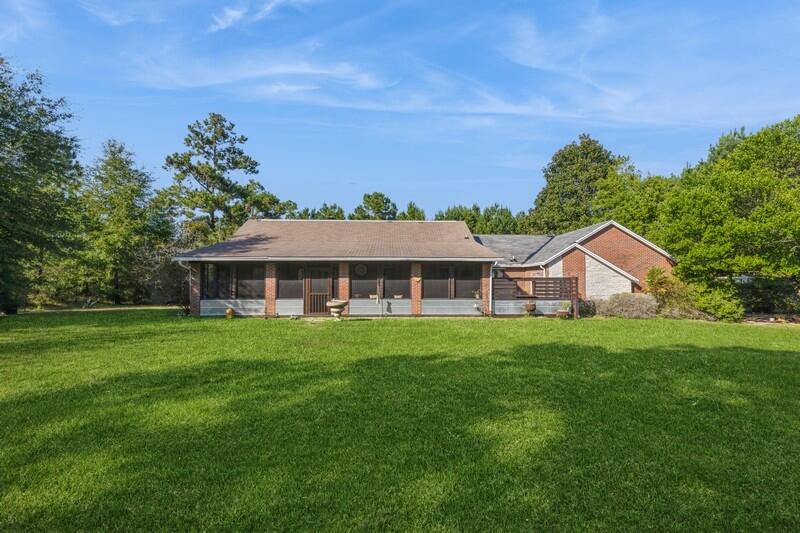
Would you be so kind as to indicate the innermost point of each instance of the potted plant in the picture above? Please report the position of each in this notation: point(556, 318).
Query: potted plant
point(563, 310)
point(530, 308)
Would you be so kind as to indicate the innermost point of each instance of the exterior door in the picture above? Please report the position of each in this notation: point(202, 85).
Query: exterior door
point(318, 290)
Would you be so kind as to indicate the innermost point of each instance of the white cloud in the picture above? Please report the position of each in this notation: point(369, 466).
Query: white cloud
point(169, 70)
point(121, 13)
point(285, 89)
point(19, 17)
point(243, 14)
point(271, 6)
point(227, 18)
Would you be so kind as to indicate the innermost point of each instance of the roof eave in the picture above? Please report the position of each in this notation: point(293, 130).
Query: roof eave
point(333, 258)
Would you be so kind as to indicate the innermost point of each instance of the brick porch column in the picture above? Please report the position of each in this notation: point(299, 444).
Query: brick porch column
point(270, 289)
point(344, 285)
point(486, 273)
point(194, 289)
point(416, 289)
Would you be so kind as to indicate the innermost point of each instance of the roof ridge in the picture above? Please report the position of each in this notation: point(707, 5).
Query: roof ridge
point(348, 220)
point(512, 234)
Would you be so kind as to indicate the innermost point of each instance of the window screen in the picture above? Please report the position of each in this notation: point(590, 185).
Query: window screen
point(217, 281)
point(467, 280)
point(364, 280)
point(290, 280)
point(250, 281)
point(435, 280)
point(396, 280)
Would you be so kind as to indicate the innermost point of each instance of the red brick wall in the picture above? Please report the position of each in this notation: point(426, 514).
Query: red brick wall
point(270, 289)
point(627, 253)
point(344, 285)
point(194, 289)
point(524, 272)
point(486, 296)
point(573, 264)
point(416, 289)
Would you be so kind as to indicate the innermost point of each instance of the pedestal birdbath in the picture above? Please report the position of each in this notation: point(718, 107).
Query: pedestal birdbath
point(336, 307)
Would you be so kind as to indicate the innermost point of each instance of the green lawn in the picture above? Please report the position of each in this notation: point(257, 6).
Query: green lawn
point(144, 420)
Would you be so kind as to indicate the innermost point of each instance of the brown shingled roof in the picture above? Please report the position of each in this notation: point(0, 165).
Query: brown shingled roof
point(346, 239)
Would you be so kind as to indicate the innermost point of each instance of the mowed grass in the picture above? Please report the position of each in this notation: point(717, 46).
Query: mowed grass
point(140, 419)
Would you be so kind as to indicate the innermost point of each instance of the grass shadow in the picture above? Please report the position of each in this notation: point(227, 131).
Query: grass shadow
point(546, 435)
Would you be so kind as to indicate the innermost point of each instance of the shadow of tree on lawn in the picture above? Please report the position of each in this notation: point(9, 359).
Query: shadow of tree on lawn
point(538, 436)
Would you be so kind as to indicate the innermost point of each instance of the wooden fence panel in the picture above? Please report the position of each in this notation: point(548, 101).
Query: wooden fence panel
point(537, 289)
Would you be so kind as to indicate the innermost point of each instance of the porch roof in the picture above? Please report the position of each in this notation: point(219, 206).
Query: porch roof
point(328, 240)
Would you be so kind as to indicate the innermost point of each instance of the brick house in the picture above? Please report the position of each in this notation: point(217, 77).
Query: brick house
point(605, 259)
point(411, 268)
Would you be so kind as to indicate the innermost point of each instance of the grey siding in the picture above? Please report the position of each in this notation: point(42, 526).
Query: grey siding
point(446, 307)
point(390, 307)
point(517, 307)
point(240, 307)
point(289, 306)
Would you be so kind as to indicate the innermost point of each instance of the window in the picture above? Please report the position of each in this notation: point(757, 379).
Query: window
point(435, 280)
point(397, 280)
point(290, 280)
point(217, 281)
point(250, 281)
point(467, 280)
point(460, 280)
point(364, 280)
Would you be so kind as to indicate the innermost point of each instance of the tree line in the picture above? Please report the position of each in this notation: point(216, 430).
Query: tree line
point(102, 233)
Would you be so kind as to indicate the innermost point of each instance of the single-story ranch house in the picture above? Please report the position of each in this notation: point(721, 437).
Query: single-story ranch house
point(413, 268)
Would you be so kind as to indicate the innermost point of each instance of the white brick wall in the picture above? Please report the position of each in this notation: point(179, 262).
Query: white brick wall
point(555, 269)
point(602, 281)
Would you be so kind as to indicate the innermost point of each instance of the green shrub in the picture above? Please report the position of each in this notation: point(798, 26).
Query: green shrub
point(586, 308)
point(677, 299)
point(721, 301)
point(628, 305)
point(764, 295)
point(671, 293)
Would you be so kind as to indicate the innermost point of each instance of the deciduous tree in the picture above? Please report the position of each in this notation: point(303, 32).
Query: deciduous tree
point(39, 180)
point(571, 177)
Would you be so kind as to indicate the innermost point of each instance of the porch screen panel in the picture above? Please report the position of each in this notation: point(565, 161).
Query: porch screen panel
point(250, 281)
point(397, 280)
point(290, 280)
point(363, 280)
point(435, 280)
point(217, 281)
point(467, 280)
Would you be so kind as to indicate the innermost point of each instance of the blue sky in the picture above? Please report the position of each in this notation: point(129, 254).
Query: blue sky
point(441, 102)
